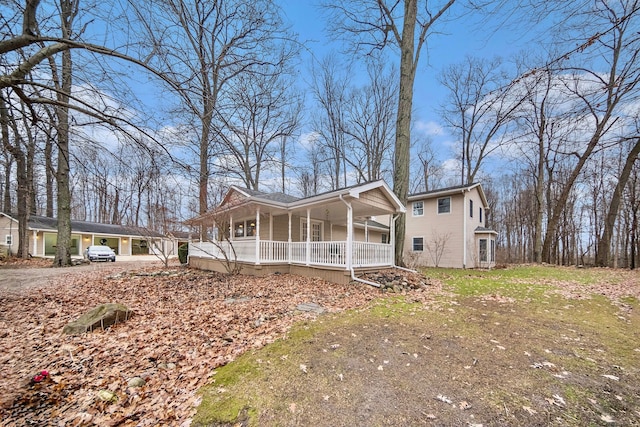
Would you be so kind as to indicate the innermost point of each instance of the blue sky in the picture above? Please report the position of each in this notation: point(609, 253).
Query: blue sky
point(465, 36)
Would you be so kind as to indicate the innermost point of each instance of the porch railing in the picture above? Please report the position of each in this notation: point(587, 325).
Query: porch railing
point(330, 254)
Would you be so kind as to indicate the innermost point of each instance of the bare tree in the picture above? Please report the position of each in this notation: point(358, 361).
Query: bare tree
point(479, 109)
point(26, 49)
point(404, 25)
point(203, 47)
point(264, 111)
point(17, 149)
point(429, 167)
point(330, 89)
point(603, 255)
point(369, 123)
point(436, 247)
point(603, 94)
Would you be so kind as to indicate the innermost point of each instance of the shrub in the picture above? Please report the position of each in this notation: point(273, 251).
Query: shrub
point(183, 251)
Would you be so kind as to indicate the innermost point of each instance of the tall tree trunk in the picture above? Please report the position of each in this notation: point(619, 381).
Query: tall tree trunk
point(403, 121)
point(68, 9)
point(6, 200)
point(50, 176)
point(22, 193)
point(603, 257)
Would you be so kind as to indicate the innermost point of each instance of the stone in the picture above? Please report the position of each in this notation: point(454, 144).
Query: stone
point(311, 307)
point(136, 382)
point(101, 317)
point(107, 396)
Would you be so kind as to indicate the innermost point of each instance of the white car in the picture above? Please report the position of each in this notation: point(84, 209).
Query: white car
point(100, 253)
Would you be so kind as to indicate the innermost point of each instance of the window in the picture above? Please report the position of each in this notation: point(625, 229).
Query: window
point(480, 211)
point(471, 208)
point(244, 228)
point(316, 231)
point(418, 244)
point(444, 205)
point(385, 238)
point(8, 240)
point(483, 250)
point(493, 251)
point(418, 208)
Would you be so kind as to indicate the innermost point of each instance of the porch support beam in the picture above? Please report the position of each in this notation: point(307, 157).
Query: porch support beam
point(392, 238)
point(231, 230)
point(258, 235)
point(308, 251)
point(35, 243)
point(366, 230)
point(289, 239)
point(349, 249)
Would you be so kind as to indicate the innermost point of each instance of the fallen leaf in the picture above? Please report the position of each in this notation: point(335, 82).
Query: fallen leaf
point(607, 418)
point(530, 410)
point(464, 405)
point(444, 399)
point(611, 377)
point(303, 368)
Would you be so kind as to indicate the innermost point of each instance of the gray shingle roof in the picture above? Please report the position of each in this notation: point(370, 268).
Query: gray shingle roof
point(275, 197)
point(47, 223)
point(442, 190)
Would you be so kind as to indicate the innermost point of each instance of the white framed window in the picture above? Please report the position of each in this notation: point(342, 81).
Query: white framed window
point(471, 208)
point(246, 228)
point(316, 231)
point(483, 250)
point(385, 238)
point(8, 240)
point(493, 250)
point(418, 244)
point(444, 205)
point(418, 208)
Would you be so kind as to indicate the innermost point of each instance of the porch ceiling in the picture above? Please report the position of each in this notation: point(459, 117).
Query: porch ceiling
point(336, 211)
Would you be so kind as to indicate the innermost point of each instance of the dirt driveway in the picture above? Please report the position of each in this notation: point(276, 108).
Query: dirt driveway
point(21, 278)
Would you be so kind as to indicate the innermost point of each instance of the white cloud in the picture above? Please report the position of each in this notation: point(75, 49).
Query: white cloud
point(451, 165)
point(308, 139)
point(430, 128)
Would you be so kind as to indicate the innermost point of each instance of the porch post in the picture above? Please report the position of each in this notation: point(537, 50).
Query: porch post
point(308, 254)
point(231, 230)
point(392, 237)
point(289, 240)
point(35, 243)
point(366, 230)
point(258, 235)
point(349, 257)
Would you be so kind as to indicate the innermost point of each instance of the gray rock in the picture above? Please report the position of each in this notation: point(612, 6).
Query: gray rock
point(136, 382)
point(311, 307)
point(101, 317)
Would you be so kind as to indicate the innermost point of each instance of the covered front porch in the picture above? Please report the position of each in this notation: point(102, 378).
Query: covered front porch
point(330, 235)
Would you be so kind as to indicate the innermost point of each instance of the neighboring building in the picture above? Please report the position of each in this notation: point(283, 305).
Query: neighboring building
point(446, 228)
point(331, 235)
point(43, 232)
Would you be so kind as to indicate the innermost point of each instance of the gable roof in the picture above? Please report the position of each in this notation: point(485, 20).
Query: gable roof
point(44, 223)
point(448, 191)
point(275, 197)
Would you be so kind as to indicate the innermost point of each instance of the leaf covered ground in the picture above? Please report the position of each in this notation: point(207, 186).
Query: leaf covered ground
point(186, 323)
point(523, 346)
